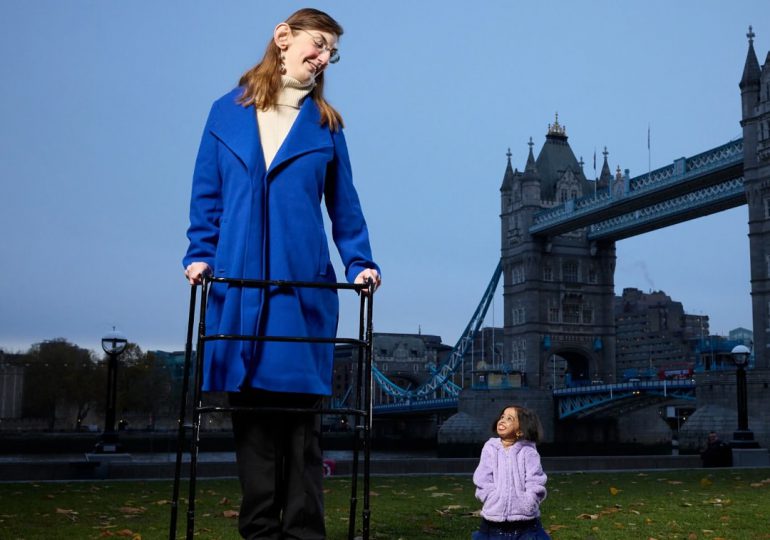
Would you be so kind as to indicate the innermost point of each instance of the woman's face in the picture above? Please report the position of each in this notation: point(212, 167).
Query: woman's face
point(307, 53)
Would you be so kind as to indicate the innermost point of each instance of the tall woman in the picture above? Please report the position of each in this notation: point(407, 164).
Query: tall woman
point(272, 151)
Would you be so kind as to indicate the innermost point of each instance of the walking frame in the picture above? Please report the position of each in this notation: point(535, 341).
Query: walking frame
point(361, 411)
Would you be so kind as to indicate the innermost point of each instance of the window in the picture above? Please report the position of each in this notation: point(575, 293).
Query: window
point(571, 313)
point(588, 315)
point(571, 308)
point(517, 274)
point(569, 271)
point(518, 315)
point(553, 314)
point(592, 275)
point(563, 195)
point(547, 273)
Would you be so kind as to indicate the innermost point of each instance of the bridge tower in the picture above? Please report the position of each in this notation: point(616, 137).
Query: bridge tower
point(558, 291)
point(755, 99)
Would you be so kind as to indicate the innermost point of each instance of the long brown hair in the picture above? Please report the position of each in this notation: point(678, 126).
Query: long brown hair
point(262, 83)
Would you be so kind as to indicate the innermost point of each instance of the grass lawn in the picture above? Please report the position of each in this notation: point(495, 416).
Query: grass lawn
point(731, 504)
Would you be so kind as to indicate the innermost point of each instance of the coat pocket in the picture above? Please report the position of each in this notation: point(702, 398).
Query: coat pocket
point(222, 253)
point(323, 255)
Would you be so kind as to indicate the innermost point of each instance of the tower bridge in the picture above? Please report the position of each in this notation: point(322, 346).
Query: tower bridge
point(558, 234)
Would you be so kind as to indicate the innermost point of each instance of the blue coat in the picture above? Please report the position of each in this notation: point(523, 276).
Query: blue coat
point(246, 221)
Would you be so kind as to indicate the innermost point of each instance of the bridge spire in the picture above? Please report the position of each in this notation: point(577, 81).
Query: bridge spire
point(605, 176)
point(531, 157)
point(557, 130)
point(509, 175)
point(751, 71)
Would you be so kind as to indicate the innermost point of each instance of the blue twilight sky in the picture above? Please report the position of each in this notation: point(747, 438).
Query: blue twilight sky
point(102, 104)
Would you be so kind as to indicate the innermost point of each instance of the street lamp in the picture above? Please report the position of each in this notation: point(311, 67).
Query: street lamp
point(743, 437)
point(113, 343)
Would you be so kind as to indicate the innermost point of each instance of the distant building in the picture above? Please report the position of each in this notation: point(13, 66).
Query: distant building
point(654, 335)
point(11, 386)
point(743, 335)
point(408, 360)
point(173, 361)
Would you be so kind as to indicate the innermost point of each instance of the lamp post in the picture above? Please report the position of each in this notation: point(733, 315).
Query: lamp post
point(743, 437)
point(113, 343)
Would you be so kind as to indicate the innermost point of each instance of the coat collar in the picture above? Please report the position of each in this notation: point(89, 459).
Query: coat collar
point(306, 135)
point(236, 127)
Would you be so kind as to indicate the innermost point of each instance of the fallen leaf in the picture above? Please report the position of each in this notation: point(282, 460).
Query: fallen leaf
point(705, 482)
point(614, 491)
point(132, 509)
point(224, 500)
point(230, 513)
point(439, 494)
point(431, 488)
point(448, 509)
point(70, 514)
point(588, 516)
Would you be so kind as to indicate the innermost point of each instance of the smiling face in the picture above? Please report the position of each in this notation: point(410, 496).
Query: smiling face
point(508, 424)
point(306, 53)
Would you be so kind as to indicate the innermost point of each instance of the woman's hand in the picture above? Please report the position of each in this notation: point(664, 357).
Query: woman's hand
point(194, 272)
point(369, 273)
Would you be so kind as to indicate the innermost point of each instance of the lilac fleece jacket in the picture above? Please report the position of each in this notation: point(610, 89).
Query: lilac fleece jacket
point(510, 482)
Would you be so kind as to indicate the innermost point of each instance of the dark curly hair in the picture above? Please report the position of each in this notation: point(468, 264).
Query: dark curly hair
point(529, 424)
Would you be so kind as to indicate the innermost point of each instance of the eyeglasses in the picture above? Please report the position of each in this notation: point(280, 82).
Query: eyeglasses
point(322, 47)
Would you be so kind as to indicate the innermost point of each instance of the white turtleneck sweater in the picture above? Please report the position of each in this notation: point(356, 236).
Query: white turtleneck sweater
point(275, 123)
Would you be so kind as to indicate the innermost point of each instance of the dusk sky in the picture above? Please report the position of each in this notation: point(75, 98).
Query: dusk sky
point(103, 104)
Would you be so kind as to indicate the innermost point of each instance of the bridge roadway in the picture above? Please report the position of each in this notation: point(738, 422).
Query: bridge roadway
point(689, 187)
point(575, 401)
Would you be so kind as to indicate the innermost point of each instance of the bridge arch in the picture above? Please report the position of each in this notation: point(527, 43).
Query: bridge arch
point(569, 366)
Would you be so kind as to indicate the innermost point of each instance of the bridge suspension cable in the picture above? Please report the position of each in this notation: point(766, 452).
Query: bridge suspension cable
point(442, 375)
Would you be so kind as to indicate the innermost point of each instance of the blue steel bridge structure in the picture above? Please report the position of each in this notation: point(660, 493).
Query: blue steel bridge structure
point(688, 188)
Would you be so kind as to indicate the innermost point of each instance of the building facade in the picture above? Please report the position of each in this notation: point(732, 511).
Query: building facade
point(654, 336)
point(558, 291)
point(755, 101)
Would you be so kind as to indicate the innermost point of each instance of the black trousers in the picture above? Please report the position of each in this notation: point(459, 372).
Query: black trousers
point(280, 467)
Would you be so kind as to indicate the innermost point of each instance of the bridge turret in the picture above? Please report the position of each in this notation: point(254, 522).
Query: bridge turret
point(509, 175)
point(530, 181)
point(750, 85)
point(751, 71)
point(755, 101)
point(605, 177)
